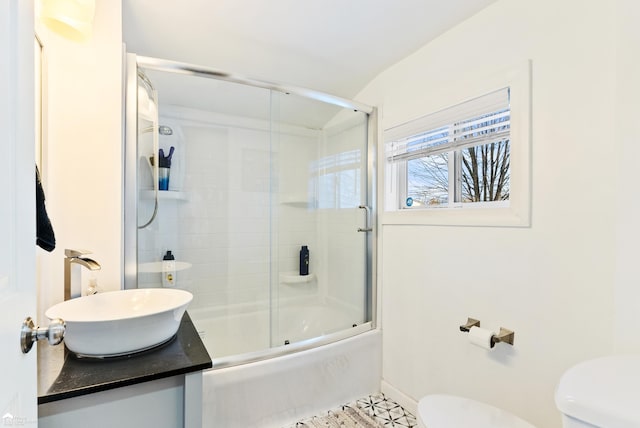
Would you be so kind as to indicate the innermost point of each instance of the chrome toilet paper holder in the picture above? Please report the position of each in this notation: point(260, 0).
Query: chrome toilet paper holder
point(470, 323)
point(504, 336)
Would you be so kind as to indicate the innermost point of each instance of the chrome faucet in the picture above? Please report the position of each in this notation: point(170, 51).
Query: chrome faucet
point(72, 274)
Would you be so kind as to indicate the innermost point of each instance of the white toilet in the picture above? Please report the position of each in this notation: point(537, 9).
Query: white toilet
point(604, 392)
point(448, 411)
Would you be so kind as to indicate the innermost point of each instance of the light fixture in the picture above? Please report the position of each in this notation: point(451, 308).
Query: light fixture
point(72, 19)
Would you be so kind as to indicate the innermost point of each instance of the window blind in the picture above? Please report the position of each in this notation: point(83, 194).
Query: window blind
point(479, 121)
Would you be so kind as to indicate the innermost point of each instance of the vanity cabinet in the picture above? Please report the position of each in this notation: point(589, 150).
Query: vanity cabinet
point(166, 403)
point(158, 388)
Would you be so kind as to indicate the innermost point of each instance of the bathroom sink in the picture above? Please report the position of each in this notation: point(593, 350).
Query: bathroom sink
point(121, 322)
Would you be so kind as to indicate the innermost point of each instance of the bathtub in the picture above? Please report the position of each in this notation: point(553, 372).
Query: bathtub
point(273, 388)
point(229, 332)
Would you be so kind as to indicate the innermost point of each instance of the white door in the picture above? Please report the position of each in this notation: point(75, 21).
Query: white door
point(18, 388)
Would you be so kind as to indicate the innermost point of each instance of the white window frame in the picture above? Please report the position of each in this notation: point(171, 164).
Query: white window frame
point(517, 211)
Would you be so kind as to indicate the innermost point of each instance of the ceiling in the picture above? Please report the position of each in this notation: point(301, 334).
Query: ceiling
point(334, 46)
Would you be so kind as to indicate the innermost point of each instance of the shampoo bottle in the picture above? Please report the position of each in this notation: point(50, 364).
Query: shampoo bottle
point(168, 270)
point(304, 260)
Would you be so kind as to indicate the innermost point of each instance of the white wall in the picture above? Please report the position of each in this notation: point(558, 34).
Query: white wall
point(552, 283)
point(83, 150)
point(627, 291)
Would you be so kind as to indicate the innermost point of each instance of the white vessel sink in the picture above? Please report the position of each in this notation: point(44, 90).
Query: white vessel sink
point(121, 322)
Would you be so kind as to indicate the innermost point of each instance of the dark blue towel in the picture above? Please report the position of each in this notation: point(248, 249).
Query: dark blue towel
point(45, 238)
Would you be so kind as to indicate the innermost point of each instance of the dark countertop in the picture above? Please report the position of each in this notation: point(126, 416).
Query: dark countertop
point(62, 375)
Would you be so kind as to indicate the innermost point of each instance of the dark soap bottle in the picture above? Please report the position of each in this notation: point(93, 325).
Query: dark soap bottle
point(304, 260)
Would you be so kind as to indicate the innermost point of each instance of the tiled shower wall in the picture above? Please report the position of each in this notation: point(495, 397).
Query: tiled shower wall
point(244, 196)
point(220, 221)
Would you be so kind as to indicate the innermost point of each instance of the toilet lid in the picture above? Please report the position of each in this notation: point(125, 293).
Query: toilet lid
point(603, 392)
point(447, 411)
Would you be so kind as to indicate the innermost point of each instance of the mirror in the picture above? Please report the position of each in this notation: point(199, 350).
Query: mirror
point(38, 74)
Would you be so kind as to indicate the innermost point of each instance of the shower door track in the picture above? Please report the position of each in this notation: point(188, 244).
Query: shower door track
point(212, 73)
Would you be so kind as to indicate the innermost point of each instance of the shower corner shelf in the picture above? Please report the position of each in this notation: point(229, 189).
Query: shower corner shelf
point(294, 278)
point(164, 195)
point(296, 204)
point(297, 200)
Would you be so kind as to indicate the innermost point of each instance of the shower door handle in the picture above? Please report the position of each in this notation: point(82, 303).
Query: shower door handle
point(367, 212)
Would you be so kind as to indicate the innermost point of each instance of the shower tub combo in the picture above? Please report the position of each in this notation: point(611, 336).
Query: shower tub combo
point(257, 171)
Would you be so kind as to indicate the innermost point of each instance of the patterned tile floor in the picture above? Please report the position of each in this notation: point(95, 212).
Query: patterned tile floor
point(384, 410)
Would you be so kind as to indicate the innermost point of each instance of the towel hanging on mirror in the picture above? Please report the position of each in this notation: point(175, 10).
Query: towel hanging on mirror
point(45, 238)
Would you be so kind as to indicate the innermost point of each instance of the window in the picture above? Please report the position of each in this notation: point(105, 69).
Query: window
point(466, 164)
point(460, 156)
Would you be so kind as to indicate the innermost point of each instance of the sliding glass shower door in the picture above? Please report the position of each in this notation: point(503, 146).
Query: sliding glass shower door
point(255, 173)
point(319, 200)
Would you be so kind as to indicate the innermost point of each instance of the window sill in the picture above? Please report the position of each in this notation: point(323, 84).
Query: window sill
point(467, 216)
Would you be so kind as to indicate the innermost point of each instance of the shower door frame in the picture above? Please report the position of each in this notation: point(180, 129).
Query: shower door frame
point(130, 135)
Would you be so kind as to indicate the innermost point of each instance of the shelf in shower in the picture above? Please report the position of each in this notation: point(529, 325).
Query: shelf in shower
point(297, 200)
point(164, 195)
point(297, 204)
point(157, 266)
point(295, 278)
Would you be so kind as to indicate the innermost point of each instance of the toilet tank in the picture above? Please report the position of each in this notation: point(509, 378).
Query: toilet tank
point(604, 392)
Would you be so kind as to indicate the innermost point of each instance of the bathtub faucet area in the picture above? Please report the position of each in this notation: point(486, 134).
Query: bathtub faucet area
point(73, 261)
